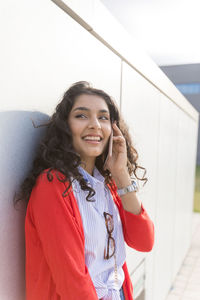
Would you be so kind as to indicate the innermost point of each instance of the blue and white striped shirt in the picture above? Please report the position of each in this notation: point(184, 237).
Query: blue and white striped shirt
point(101, 270)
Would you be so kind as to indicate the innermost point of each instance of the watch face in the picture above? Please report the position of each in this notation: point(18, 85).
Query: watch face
point(134, 184)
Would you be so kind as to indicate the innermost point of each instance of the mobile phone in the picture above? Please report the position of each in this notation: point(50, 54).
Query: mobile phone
point(109, 148)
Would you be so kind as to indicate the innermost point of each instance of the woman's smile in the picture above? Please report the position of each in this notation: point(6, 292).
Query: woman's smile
point(93, 139)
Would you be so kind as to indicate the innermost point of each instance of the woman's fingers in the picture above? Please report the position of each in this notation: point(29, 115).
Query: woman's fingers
point(118, 138)
point(117, 130)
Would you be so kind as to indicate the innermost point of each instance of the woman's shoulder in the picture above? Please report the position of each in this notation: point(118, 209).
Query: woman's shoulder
point(51, 182)
point(52, 175)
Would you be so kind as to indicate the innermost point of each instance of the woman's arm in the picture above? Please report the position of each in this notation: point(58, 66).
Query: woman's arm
point(137, 226)
point(62, 240)
point(138, 229)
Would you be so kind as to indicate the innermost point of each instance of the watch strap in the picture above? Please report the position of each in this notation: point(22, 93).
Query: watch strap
point(130, 188)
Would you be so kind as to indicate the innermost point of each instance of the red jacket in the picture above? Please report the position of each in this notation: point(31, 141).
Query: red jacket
point(54, 234)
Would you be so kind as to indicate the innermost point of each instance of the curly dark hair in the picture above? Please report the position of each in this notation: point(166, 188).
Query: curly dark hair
point(56, 152)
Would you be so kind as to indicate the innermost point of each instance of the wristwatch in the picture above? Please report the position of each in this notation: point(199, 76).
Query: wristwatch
point(127, 189)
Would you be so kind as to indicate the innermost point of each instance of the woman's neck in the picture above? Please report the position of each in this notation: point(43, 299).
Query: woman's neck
point(88, 167)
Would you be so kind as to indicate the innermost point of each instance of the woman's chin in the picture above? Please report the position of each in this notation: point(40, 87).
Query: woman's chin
point(93, 154)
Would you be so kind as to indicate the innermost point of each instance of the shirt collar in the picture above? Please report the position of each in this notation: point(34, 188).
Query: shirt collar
point(93, 180)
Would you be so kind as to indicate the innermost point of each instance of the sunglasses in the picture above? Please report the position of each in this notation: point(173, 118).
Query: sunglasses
point(111, 242)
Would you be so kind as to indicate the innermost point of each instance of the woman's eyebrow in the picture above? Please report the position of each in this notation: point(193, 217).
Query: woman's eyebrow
point(87, 109)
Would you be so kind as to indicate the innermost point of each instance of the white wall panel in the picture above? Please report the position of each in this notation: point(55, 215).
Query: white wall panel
point(186, 158)
point(166, 178)
point(140, 109)
point(154, 122)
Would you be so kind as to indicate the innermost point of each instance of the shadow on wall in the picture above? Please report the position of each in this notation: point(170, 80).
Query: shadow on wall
point(19, 141)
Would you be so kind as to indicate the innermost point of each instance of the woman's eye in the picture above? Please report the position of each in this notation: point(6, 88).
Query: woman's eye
point(80, 116)
point(83, 116)
point(105, 118)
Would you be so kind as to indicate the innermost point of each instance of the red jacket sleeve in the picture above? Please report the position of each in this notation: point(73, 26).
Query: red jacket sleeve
point(62, 240)
point(138, 230)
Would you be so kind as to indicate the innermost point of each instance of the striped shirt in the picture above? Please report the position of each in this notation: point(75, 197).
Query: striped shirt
point(101, 270)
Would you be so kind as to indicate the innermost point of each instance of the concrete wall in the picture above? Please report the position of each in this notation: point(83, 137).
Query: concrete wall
point(46, 47)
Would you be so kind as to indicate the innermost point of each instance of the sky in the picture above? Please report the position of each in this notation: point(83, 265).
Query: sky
point(167, 30)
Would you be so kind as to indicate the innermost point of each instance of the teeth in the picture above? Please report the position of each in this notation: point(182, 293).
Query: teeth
point(92, 138)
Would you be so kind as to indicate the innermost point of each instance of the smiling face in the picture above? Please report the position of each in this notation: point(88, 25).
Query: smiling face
point(89, 121)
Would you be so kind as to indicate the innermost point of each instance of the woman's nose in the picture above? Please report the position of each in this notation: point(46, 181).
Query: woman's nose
point(94, 123)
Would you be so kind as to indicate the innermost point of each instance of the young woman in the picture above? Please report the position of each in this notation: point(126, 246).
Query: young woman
point(81, 203)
